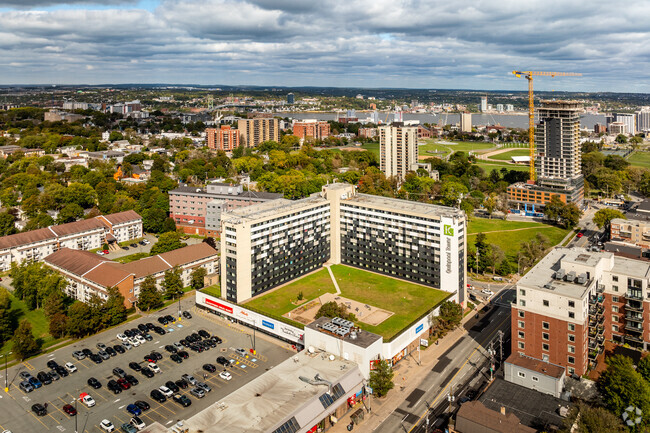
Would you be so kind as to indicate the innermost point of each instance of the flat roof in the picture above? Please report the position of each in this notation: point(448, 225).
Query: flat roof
point(272, 208)
point(533, 364)
point(269, 400)
point(631, 267)
point(195, 190)
point(405, 205)
point(363, 338)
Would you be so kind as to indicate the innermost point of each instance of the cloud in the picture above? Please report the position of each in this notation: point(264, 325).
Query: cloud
point(407, 43)
point(31, 4)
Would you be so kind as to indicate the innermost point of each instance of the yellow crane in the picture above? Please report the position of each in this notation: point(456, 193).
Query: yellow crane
point(531, 109)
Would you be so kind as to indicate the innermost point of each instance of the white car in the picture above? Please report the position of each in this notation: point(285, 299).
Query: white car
point(225, 375)
point(487, 292)
point(134, 342)
point(122, 337)
point(70, 367)
point(137, 423)
point(154, 367)
point(100, 252)
point(146, 242)
point(241, 352)
point(140, 339)
point(87, 400)
point(127, 345)
point(106, 425)
point(166, 391)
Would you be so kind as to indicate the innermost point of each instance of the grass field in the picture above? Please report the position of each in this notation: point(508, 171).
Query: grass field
point(372, 147)
point(489, 166)
point(213, 290)
point(509, 235)
point(131, 258)
point(407, 300)
point(279, 301)
point(639, 159)
point(507, 156)
point(40, 325)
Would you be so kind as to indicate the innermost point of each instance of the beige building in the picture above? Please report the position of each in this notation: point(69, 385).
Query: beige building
point(398, 149)
point(256, 131)
point(632, 231)
point(465, 122)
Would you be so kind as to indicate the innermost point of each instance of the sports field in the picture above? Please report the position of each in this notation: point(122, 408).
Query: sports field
point(407, 301)
point(639, 159)
point(489, 166)
point(507, 156)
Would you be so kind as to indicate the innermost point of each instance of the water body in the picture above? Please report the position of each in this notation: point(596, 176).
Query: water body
point(508, 120)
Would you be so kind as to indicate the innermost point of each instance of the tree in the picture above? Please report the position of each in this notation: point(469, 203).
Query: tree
point(24, 342)
point(451, 192)
point(570, 215)
point(54, 304)
point(114, 309)
point(553, 208)
point(381, 379)
point(79, 320)
point(6, 330)
point(490, 203)
point(621, 386)
point(198, 277)
point(7, 226)
point(603, 217)
point(586, 419)
point(644, 368)
point(149, 296)
point(172, 284)
point(167, 242)
point(505, 267)
point(58, 325)
point(450, 315)
point(71, 212)
point(332, 309)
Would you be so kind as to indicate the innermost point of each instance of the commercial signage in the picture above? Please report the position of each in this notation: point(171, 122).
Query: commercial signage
point(268, 324)
point(448, 230)
point(219, 306)
point(424, 342)
point(419, 328)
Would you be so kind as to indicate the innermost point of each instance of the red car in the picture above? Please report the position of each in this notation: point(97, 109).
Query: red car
point(579, 235)
point(124, 383)
point(105, 251)
point(69, 409)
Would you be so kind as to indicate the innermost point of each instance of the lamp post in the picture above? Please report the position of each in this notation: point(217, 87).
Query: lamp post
point(6, 355)
point(180, 295)
point(450, 397)
point(75, 414)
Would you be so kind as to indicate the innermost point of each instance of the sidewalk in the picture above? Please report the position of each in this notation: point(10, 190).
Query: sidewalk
point(408, 375)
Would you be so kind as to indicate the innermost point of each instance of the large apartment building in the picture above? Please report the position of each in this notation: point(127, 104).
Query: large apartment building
point(34, 245)
point(558, 158)
point(635, 232)
point(256, 131)
point(89, 274)
point(269, 244)
point(398, 149)
point(310, 128)
point(224, 138)
point(198, 210)
point(573, 300)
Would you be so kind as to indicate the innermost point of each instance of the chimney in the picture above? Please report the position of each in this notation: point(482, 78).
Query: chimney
point(503, 410)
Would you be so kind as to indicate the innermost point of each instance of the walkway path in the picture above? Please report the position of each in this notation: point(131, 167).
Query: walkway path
point(336, 285)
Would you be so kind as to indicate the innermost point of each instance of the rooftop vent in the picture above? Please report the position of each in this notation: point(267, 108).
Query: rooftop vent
point(571, 276)
point(582, 278)
point(559, 275)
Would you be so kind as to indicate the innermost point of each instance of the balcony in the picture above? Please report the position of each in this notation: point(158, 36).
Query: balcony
point(595, 311)
point(596, 300)
point(634, 317)
point(596, 342)
point(633, 338)
point(596, 331)
point(634, 306)
point(633, 328)
point(636, 296)
point(593, 354)
point(600, 288)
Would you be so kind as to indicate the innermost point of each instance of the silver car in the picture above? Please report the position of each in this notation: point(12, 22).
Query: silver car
point(79, 354)
point(204, 386)
point(197, 392)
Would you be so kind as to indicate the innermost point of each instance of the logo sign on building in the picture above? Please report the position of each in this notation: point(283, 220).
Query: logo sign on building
point(448, 230)
point(218, 306)
point(419, 328)
point(268, 324)
point(424, 342)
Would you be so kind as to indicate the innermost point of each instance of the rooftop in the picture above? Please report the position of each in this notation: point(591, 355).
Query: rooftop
point(272, 208)
point(195, 190)
point(363, 338)
point(533, 364)
point(405, 205)
point(492, 420)
point(122, 217)
point(266, 402)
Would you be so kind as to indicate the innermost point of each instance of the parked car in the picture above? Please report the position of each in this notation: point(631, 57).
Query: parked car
point(177, 359)
point(143, 405)
point(189, 379)
point(70, 367)
point(203, 333)
point(204, 386)
point(44, 377)
point(124, 383)
point(112, 385)
point(117, 371)
point(96, 358)
point(171, 385)
point(54, 375)
point(187, 314)
point(39, 409)
point(128, 428)
point(146, 371)
point(52, 364)
point(111, 351)
point(127, 345)
point(133, 409)
point(79, 355)
point(131, 379)
point(87, 399)
point(62, 371)
point(158, 396)
point(181, 383)
point(166, 391)
point(104, 355)
point(182, 400)
point(106, 425)
point(225, 375)
point(101, 346)
point(35, 382)
point(137, 423)
point(171, 349)
point(135, 366)
point(119, 349)
point(154, 367)
point(122, 337)
point(183, 354)
point(94, 383)
point(25, 386)
point(209, 368)
point(197, 392)
point(240, 352)
point(223, 361)
point(24, 375)
point(69, 409)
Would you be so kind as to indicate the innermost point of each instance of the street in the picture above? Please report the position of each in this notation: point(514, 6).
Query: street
point(464, 366)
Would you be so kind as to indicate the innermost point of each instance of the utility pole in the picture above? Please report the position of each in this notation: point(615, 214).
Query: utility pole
point(6, 355)
point(491, 352)
point(500, 335)
point(476, 262)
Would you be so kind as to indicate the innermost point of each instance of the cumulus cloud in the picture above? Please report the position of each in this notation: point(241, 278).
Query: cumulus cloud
point(30, 4)
point(410, 43)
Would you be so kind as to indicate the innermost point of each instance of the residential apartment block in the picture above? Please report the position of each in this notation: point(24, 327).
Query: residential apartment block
point(256, 131)
point(89, 274)
point(269, 244)
point(35, 245)
point(198, 210)
point(398, 149)
point(635, 232)
point(573, 300)
point(224, 138)
point(315, 129)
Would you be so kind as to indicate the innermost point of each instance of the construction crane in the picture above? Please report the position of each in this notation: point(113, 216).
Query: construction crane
point(531, 109)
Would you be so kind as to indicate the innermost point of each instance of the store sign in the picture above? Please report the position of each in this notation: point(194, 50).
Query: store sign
point(218, 306)
point(268, 324)
point(424, 342)
point(419, 328)
point(448, 230)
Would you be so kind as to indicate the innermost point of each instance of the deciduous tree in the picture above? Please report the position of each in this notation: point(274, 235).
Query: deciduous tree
point(381, 379)
point(24, 343)
point(149, 296)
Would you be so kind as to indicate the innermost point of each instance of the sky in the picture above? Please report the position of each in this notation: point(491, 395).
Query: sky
point(457, 44)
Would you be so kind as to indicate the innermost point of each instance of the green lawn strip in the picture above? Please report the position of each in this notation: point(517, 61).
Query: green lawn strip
point(279, 301)
point(639, 159)
point(371, 147)
point(489, 166)
point(510, 241)
point(507, 156)
point(408, 301)
point(132, 257)
point(214, 290)
point(478, 225)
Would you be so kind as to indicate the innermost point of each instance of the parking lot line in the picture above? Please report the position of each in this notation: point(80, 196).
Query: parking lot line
point(148, 417)
point(56, 407)
point(28, 365)
point(21, 391)
point(97, 427)
point(81, 362)
point(37, 419)
point(243, 360)
point(50, 415)
point(121, 420)
point(100, 395)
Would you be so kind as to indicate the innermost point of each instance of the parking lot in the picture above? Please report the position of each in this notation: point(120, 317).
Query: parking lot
point(15, 407)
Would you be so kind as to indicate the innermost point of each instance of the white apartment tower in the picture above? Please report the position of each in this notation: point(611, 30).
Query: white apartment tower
point(484, 104)
point(398, 149)
point(465, 122)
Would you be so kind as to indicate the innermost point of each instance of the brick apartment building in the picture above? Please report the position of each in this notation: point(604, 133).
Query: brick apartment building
point(573, 300)
point(198, 210)
point(258, 130)
point(224, 138)
point(315, 129)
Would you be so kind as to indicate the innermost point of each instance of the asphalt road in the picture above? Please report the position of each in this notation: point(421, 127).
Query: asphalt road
point(458, 366)
point(15, 406)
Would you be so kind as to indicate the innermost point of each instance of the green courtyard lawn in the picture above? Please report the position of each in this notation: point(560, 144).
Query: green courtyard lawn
point(639, 159)
point(507, 156)
point(131, 258)
point(372, 147)
point(478, 225)
point(408, 301)
point(40, 324)
point(279, 301)
point(489, 166)
point(214, 290)
point(510, 240)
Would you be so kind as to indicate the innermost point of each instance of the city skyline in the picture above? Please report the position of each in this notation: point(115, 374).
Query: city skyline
point(355, 44)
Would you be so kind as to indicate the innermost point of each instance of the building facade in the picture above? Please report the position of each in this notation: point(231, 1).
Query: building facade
point(35, 245)
point(643, 119)
point(465, 122)
point(635, 232)
point(198, 210)
point(272, 243)
point(398, 149)
point(573, 300)
point(256, 131)
point(318, 130)
point(224, 138)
